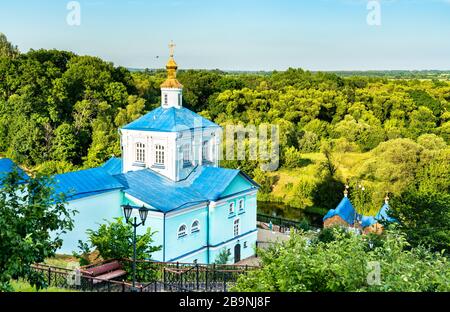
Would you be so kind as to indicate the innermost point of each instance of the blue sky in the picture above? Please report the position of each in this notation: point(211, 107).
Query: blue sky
point(240, 34)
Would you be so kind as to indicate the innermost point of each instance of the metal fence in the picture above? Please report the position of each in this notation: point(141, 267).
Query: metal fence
point(213, 278)
point(151, 276)
point(73, 280)
point(283, 225)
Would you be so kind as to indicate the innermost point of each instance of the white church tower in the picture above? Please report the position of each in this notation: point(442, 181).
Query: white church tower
point(171, 89)
point(171, 139)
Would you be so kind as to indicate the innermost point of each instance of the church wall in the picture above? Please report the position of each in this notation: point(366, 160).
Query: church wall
point(195, 141)
point(200, 257)
point(178, 247)
point(239, 184)
point(171, 97)
point(155, 221)
point(129, 138)
point(222, 222)
point(92, 211)
point(247, 246)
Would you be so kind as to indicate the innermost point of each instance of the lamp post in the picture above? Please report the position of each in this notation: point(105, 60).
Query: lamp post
point(143, 212)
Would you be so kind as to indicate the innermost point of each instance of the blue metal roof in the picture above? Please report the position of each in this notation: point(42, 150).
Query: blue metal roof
point(170, 120)
point(383, 214)
point(367, 221)
point(83, 183)
point(345, 210)
point(113, 166)
point(204, 184)
point(7, 166)
point(212, 181)
point(158, 191)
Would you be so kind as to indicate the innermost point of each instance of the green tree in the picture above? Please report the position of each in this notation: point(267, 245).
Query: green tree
point(113, 240)
point(32, 218)
point(65, 143)
point(7, 49)
point(425, 217)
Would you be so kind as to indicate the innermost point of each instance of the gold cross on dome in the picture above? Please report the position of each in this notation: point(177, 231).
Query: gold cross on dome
point(171, 47)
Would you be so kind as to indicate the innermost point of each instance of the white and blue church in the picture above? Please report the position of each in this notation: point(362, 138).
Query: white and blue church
point(170, 165)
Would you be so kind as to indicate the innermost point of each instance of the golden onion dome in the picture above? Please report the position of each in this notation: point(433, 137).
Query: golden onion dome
point(171, 66)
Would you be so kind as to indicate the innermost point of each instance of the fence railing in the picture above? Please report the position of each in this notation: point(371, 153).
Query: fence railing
point(151, 276)
point(70, 279)
point(202, 277)
point(281, 224)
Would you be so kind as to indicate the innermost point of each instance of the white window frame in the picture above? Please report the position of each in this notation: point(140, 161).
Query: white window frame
point(140, 152)
point(241, 204)
point(160, 154)
point(231, 208)
point(205, 150)
point(182, 233)
point(236, 227)
point(186, 150)
point(195, 229)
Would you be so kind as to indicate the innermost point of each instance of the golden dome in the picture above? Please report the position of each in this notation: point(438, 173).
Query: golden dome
point(171, 66)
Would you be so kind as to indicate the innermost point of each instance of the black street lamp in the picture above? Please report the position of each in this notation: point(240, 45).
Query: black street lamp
point(143, 212)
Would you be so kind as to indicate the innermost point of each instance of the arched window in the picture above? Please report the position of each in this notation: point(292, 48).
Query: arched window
point(195, 227)
point(187, 156)
point(236, 227)
point(231, 208)
point(140, 152)
point(205, 151)
point(159, 154)
point(182, 231)
point(241, 205)
point(166, 99)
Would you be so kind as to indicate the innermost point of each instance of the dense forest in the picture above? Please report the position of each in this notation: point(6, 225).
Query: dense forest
point(60, 111)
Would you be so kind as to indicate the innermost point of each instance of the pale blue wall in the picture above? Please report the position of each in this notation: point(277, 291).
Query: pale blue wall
point(222, 223)
point(238, 184)
point(156, 223)
point(201, 257)
point(177, 247)
point(92, 211)
point(221, 233)
point(246, 252)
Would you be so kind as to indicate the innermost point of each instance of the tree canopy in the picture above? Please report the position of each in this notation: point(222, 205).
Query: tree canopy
point(32, 218)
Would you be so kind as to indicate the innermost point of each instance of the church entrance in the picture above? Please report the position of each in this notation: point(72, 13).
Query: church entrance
point(237, 253)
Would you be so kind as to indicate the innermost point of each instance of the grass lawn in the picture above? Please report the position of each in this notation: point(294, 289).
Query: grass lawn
point(23, 286)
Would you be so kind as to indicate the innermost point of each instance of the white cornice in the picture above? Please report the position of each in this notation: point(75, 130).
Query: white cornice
point(224, 200)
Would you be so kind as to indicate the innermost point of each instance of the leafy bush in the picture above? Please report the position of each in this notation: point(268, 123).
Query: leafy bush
point(345, 262)
point(114, 240)
point(223, 257)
